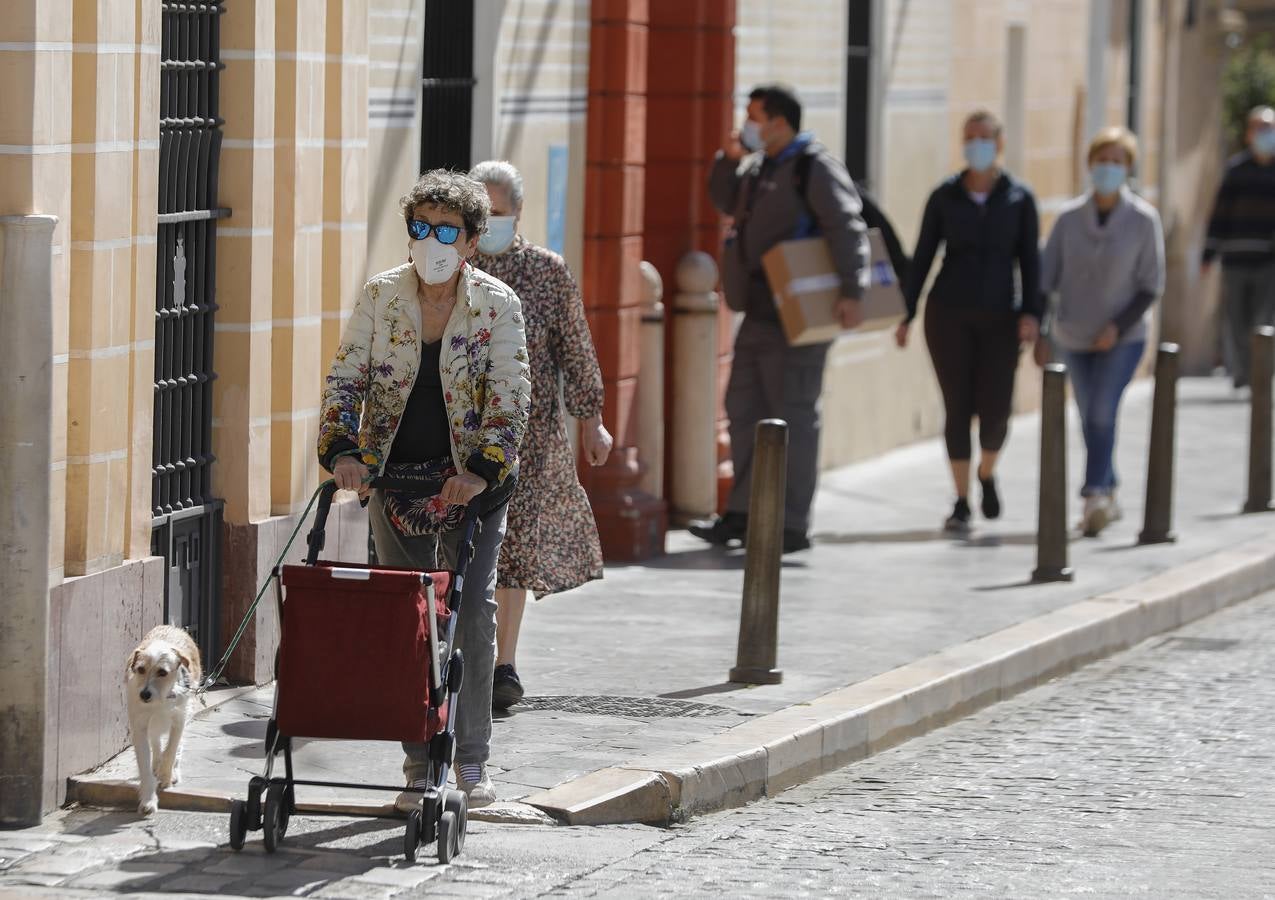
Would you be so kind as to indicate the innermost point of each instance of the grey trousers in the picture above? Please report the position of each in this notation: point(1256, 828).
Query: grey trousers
point(475, 630)
point(769, 379)
point(1248, 300)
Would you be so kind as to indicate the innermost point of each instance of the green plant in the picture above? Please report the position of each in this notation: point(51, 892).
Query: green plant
point(1249, 81)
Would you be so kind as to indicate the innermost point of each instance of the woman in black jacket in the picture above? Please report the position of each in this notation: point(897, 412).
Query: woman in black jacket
point(975, 322)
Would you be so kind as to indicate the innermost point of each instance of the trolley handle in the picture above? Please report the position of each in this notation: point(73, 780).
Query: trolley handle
point(317, 536)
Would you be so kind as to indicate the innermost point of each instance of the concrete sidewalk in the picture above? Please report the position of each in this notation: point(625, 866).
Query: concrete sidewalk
point(629, 716)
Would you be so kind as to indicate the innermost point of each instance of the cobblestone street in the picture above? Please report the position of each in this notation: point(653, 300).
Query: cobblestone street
point(1144, 775)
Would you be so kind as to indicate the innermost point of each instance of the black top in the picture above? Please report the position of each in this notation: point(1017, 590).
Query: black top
point(1242, 228)
point(983, 242)
point(425, 429)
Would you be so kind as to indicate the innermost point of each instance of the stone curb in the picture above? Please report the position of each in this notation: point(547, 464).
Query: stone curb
point(771, 753)
point(118, 793)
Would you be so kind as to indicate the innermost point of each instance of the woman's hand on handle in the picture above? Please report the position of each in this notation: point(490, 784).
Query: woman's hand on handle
point(901, 334)
point(351, 475)
point(460, 489)
point(1028, 329)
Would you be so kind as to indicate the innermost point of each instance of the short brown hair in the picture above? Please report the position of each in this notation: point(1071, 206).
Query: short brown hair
point(453, 191)
point(1115, 136)
point(983, 116)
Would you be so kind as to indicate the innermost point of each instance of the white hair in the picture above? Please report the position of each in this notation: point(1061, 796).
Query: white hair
point(502, 173)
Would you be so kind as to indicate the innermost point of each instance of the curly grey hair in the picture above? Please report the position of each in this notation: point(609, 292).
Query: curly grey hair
point(454, 191)
point(503, 174)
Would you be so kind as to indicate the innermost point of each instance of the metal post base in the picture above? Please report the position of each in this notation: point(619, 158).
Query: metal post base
point(1265, 506)
point(1044, 574)
point(1148, 537)
point(750, 675)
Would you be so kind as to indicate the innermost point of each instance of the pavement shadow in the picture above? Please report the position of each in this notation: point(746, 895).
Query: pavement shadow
point(724, 687)
point(1021, 539)
point(291, 870)
point(914, 536)
point(254, 730)
point(1025, 583)
point(709, 559)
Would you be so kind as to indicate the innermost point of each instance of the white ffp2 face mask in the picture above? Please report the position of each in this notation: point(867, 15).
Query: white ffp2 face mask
point(500, 234)
point(434, 262)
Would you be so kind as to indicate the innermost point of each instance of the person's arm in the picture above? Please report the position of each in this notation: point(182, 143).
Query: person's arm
point(1029, 258)
point(573, 349)
point(1051, 268)
point(839, 212)
point(1219, 222)
point(927, 244)
point(874, 217)
point(508, 393)
point(1150, 274)
point(723, 183)
point(347, 384)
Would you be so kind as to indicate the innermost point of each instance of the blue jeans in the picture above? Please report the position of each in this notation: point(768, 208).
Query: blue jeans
point(1099, 380)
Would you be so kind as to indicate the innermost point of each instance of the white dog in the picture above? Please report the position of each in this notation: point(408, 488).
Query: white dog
point(163, 674)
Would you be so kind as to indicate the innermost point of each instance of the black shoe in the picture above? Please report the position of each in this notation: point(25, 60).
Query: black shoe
point(991, 500)
point(795, 541)
point(721, 530)
point(959, 520)
point(506, 688)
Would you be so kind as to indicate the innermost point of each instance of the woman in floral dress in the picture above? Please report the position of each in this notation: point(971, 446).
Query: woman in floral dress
point(551, 543)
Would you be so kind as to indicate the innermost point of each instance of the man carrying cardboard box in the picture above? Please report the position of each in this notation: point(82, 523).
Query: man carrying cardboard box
point(785, 188)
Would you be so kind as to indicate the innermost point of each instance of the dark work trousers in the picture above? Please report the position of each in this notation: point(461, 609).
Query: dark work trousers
point(770, 380)
point(975, 356)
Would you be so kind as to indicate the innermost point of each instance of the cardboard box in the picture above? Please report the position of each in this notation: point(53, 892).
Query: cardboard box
point(806, 287)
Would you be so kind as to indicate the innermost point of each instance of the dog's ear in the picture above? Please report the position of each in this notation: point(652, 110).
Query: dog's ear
point(183, 661)
point(132, 661)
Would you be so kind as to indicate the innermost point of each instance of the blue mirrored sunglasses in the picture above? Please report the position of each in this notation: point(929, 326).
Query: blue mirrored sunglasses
point(419, 229)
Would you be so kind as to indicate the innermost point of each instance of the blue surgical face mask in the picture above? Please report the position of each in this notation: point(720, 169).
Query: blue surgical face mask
point(750, 136)
point(1264, 142)
point(499, 236)
point(1108, 177)
point(980, 153)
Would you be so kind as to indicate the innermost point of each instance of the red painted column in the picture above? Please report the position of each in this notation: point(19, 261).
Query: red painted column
point(690, 110)
point(631, 522)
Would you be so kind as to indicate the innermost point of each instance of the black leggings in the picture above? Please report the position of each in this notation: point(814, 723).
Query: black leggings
point(975, 355)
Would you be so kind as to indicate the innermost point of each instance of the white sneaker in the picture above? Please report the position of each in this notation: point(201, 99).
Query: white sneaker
point(1114, 512)
point(479, 793)
point(1096, 516)
point(410, 799)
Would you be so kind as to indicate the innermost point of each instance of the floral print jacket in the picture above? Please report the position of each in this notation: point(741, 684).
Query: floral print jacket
point(483, 365)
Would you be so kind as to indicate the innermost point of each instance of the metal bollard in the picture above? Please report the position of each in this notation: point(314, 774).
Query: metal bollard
point(1051, 527)
point(1157, 523)
point(759, 616)
point(1259, 432)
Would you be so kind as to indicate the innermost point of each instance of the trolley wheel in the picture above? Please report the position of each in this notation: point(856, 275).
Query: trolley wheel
point(458, 805)
point(238, 824)
point(412, 835)
point(455, 672)
point(256, 787)
point(447, 837)
point(429, 818)
point(274, 823)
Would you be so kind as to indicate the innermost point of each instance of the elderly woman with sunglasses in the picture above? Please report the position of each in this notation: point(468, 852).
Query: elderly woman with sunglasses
point(431, 381)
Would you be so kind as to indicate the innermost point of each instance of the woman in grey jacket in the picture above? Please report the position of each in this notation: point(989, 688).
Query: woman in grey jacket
point(1105, 262)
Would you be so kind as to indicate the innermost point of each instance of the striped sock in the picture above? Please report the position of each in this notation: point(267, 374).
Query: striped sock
point(471, 773)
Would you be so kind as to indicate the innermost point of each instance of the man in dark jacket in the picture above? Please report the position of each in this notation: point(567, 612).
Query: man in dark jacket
point(786, 187)
point(1242, 232)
